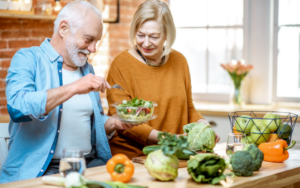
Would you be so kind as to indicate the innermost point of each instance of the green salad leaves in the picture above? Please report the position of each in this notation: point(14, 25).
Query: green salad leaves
point(136, 109)
point(137, 103)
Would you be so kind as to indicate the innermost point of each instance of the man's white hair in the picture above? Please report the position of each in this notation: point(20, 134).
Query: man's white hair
point(75, 13)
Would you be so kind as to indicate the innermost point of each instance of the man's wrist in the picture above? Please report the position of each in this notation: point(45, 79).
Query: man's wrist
point(113, 124)
point(72, 88)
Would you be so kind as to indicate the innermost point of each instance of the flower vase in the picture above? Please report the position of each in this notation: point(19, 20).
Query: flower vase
point(237, 97)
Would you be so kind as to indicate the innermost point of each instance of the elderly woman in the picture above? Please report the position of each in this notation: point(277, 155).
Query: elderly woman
point(152, 71)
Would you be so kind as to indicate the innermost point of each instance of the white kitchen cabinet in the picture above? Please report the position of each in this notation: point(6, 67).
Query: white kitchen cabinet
point(222, 128)
point(296, 136)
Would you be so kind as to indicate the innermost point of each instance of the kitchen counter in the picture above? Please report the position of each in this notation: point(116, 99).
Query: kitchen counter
point(271, 175)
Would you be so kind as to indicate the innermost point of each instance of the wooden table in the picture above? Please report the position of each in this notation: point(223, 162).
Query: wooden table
point(271, 175)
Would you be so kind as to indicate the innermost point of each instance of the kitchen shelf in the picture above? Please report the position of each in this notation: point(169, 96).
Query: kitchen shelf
point(25, 15)
point(31, 15)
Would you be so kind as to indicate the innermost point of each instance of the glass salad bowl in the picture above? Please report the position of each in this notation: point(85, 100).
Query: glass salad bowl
point(135, 111)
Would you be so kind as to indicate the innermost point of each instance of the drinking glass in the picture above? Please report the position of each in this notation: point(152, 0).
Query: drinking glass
point(235, 142)
point(72, 160)
point(44, 7)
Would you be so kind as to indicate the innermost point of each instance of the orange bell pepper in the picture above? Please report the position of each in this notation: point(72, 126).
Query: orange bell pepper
point(273, 137)
point(120, 168)
point(276, 151)
point(234, 130)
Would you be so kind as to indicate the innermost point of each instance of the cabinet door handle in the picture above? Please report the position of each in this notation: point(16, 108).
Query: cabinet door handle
point(212, 123)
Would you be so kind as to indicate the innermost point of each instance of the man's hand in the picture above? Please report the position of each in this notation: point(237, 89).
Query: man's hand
point(84, 85)
point(115, 124)
point(121, 126)
point(90, 83)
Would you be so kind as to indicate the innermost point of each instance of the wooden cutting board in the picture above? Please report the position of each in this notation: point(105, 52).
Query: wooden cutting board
point(142, 159)
point(182, 163)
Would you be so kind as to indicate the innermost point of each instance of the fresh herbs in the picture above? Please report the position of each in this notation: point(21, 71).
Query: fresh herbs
point(171, 144)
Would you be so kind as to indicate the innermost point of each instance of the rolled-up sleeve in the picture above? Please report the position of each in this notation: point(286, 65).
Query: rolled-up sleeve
point(24, 103)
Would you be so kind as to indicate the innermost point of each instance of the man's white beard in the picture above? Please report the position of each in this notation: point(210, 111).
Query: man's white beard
point(73, 53)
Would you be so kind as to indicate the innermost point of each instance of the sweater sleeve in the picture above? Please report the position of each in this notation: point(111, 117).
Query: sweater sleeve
point(139, 133)
point(193, 114)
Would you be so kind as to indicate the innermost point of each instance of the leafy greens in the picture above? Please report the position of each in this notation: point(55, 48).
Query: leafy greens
point(200, 137)
point(206, 168)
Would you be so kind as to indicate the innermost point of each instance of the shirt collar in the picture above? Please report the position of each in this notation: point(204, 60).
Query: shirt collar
point(49, 50)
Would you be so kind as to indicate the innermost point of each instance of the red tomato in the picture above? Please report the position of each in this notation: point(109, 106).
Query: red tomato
point(147, 110)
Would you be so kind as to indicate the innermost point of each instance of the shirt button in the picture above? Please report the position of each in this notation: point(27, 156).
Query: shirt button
point(42, 170)
point(58, 131)
point(59, 70)
point(51, 151)
point(61, 110)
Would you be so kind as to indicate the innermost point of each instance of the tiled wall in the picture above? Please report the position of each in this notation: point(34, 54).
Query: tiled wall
point(21, 33)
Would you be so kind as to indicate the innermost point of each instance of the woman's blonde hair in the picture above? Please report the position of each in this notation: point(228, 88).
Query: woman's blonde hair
point(158, 11)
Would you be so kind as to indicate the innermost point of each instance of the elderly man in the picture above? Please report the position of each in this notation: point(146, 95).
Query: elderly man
point(53, 99)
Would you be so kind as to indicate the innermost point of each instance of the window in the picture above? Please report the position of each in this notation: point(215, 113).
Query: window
point(209, 32)
point(287, 50)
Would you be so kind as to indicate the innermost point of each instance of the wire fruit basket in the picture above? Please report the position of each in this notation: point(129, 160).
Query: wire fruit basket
point(263, 126)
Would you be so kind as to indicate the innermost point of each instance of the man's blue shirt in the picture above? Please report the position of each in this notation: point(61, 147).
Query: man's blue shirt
point(33, 135)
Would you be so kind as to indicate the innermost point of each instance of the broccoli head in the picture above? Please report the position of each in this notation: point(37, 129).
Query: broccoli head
point(242, 163)
point(257, 155)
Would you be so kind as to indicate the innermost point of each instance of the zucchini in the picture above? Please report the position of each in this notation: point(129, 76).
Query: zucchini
point(97, 184)
point(181, 154)
point(185, 154)
point(149, 149)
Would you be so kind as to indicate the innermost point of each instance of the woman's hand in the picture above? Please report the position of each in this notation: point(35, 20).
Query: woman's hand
point(206, 122)
point(217, 138)
point(203, 121)
point(184, 134)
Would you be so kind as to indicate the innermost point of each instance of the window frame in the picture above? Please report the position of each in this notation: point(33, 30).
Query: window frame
point(216, 97)
point(275, 98)
point(260, 31)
